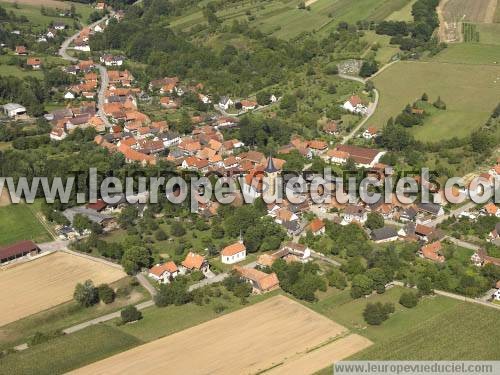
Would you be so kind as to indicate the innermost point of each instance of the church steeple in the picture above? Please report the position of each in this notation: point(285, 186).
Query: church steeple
point(270, 168)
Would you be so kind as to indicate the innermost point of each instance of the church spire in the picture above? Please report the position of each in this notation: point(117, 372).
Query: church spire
point(270, 168)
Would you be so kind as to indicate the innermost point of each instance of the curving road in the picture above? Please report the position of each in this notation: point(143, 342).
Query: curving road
point(104, 78)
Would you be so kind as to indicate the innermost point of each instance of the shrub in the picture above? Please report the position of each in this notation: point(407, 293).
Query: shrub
point(130, 314)
point(409, 299)
point(123, 292)
point(219, 307)
point(106, 293)
point(160, 235)
point(376, 313)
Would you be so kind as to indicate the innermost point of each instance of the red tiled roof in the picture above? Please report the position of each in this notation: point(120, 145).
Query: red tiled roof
point(17, 249)
point(233, 249)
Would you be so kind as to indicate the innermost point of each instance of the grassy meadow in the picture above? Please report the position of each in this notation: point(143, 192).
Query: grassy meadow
point(284, 20)
point(68, 352)
point(469, 93)
point(18, 222)
point(39, 21)
point(438, 328)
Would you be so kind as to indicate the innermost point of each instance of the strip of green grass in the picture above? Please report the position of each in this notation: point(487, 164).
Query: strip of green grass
point(68, 352)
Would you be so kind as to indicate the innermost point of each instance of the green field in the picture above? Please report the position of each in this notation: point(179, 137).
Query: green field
point(39, 21)
point(403, 14)
point(284, 20)
point(18, 222)
point(68, 352)
point(470, 93)
point(12, 70)
point(438, 328)
point(489, 33)
point(463, 332)
point(470, 53)
point(385, 50)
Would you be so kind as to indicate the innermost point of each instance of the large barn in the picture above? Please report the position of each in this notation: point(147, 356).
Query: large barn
point(18, 250)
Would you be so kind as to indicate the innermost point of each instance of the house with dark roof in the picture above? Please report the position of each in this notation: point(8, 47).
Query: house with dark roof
point(385, 234)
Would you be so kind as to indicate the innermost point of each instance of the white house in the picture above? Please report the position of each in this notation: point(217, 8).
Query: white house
point(14, 110)
point(234, 253)
point(58, 134)
point(370, 133)
point(164, 273)
point(204, 99)
point(225, 103)
point(496, 295)
point(84, 47)
point(354, 213)
point(273, 98)
point(69, 96)
point(355, 105)
point(110, 60)
point(98, 28)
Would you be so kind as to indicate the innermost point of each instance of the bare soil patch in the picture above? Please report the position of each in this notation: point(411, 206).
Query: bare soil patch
point(37, 285)
point(247, 341)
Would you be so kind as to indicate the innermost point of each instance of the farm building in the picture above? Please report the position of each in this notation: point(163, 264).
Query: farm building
point(14, 110)
point(18, 250)
point(261, 282)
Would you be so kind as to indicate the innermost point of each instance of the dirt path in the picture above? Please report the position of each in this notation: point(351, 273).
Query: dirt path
point(4, 198)
point(448, 32)
point(489, 17)
point(310, 2)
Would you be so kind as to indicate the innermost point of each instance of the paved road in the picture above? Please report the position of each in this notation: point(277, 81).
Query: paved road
point(458, 297)
point(461, 243)
point(371, 109)
point(65, 45)
point(104, 318)
point(454, 212)
point(104, 79)
point(53, 246)
point(325, 259)
point(143, 280)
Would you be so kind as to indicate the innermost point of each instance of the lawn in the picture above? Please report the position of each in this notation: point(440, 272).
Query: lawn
point(403, 14)
point(385, 51)
point(470, 53)
point(12, 70)
point(284, 20)
point(18, 222)
point(489, 33)
point(66, 353)
point(469, 93)
point(348, 312)
point(40, 21)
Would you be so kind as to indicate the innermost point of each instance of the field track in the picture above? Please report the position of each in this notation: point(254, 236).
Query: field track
point(247, 341)
point(37, 285)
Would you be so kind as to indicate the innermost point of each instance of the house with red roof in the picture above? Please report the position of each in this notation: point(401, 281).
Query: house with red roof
point(433, 251)
point(164, 273)
point(317, 227)
point(195, 262)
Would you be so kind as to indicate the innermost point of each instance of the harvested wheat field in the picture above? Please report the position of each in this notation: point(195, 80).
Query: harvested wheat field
point(37, 285)
point(323, 357)
point(247, 341)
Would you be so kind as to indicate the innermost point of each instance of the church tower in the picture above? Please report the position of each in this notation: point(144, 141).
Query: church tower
point(272, 174)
